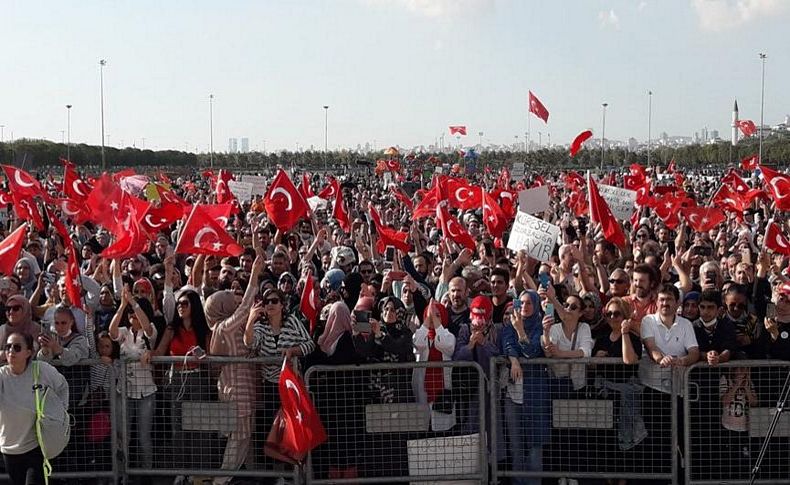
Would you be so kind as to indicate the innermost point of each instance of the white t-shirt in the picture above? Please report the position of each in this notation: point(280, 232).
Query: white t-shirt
point(675, 341)
point(584, 342)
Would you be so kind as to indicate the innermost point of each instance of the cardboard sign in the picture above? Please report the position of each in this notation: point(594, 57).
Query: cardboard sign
point(534, 200)
point(534, 235)
point(242, 190)
point(259, 183)
point(622, 202)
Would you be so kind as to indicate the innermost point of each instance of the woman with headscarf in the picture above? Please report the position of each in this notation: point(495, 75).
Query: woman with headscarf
point(433, 342)
point(19, 316)
point(236, 383)
point(527, 402)
point(27, 270)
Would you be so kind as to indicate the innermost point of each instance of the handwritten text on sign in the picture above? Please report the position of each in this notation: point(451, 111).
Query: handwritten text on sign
point(622, 202)
point(534, 235)
point(242, 190)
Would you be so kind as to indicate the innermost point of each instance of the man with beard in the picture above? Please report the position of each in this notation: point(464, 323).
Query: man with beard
point(644, 283)
point(458, 309)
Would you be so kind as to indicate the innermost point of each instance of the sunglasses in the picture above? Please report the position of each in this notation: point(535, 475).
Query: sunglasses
point(613, 281)
point(13, 308)
point(614, 314)
point(641, 236)
point(182, 303)
point(572, 307)
point(271, 301)
point(13, 347)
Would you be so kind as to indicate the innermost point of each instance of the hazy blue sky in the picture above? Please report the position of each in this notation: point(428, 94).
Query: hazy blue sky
point(397, 71)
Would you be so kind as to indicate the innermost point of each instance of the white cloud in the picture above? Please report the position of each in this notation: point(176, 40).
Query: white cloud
point(436, 8)
point(609, 20)
point(720, 15)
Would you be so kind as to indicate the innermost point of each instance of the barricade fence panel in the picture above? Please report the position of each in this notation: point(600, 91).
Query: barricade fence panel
point(577, 418)
point(201, 417)
point(419, 422)
point(728, 412)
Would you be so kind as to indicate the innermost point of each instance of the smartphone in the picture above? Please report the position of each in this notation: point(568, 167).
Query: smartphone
point(362, 316)
point(671, 247)
point(397, 275)
point(362, 326)
point(582, 226)
point(197, 352)
point(517, 305)
point(545, 280)
point(389, 256)
point(770, 310)
point(550, 310)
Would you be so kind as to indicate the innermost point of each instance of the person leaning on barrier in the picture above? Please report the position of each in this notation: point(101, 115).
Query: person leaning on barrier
point(715, 336)
point(19, 445)
point(669, 338)
point(776, 338)
point(433, 342)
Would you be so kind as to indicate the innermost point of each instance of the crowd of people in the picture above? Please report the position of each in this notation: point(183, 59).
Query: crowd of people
point(391, 287)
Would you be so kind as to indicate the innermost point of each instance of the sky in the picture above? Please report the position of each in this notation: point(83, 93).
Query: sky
point(393, 72)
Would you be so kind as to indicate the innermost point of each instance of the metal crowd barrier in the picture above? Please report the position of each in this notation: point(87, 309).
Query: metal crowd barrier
point(382, 429)
point(728, 411)
point(582, 418)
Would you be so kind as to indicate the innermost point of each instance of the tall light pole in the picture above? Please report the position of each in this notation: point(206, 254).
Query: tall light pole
point(649, 123)
point(102, 63)
point(211, 129)
point(480, 135)
point(603, 133)
point(2, 133)
point(326, 134)
point(762, 106)
point(68, 132)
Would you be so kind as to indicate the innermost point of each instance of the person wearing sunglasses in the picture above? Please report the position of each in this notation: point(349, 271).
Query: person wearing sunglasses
point(567, 339)
point(19, 446)
point(19, 318)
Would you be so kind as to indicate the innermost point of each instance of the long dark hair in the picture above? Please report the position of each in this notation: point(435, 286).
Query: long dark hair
point(198, 318)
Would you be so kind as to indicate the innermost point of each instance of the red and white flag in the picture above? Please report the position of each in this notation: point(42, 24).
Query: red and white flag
point(303, 428)
point(284, 204)
point(600, 212)
point(10, 248)
point(328, 192)
point(778, 187)
point(309, 301)
point(453, 229)
point(747, 127)
point(537, 108)
point(340, 213)
point(750, 162)
point(202, 235)
point(72, 276)
point(22, 184)
point(458, 130)
point(703, 219)
point(775, 240)
point(576, 144)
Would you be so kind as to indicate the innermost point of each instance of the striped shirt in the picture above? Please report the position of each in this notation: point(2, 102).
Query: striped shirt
point(266, 344)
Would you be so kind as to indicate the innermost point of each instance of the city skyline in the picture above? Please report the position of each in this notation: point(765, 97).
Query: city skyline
point(468, 62)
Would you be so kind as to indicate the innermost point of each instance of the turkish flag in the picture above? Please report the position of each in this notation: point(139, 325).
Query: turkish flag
point(340, 213)
point(168, 197)
point(728, 199)
point(60, 228)
point(309, 302)
point(223, 191)
point(202, 235)
point(22, 184)
point(458, 130)
point(671, 167)
point(537, 108)
point(328, 192)
point(387, 235)
point(284, 204)
point(503, 181)
point(703, 219)
point(750, 162)
point(775, 240)
point(401, 196)
point(574, 180)
point(494, 218)
point(632, 182)
point(104, 203)
point(131, 239)
point(576, 144)
point(10, 248)
point(220, 213)
point(72, 276)
point(303, 428)
point(156, 219)
point(27, 209)
point(778, 187)
point(600, 212)
point(747, 127)
point(74, 187)
point(427, 206)
point(506, 200)
point(453, 229)
point(5, 198)
point(736, 182)
point(578, 203)
point(461, 195)
point(393, 165)
point(538, 181)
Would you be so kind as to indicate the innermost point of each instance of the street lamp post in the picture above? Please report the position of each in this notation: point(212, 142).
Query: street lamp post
point(480, 135)
point(649, 123)
point(68, 132)
point(326, 135)
point(102, 63)
point(211, 128)
point(762, 106)
point(603, 133)
point(2, 133)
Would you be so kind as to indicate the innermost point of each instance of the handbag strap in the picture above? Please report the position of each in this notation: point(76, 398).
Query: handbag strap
point(39, 418)
point(575, 336)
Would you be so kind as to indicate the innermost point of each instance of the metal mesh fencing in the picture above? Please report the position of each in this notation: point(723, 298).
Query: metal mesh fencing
point(581, 418)
point(384, 424)
point(200, 418)
point(728, 413)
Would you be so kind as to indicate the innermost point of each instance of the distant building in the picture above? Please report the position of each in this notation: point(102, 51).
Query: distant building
point(714, 134)
point(245, 145)
point(233, 145)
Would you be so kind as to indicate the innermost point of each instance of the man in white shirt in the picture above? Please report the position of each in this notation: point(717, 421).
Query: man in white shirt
point(668, 337)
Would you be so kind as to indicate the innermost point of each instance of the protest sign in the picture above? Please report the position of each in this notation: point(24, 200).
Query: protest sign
point(535, 200)
point(622, 202)
point(534, 235)
point(242, 190)
point(317, 203)
point(259, 183)
point(518, 168)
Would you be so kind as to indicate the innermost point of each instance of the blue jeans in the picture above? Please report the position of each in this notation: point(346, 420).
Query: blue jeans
point(141, 413)
point(525, 458)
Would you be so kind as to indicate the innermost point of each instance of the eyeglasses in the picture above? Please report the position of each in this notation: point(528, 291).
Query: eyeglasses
point(13, 308)
point(614, 314)
point(272, 301)
point(16, 348)
point(613, 281)
point(182, 303)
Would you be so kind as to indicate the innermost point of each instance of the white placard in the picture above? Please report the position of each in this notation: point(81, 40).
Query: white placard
point(259, 183)
point(534, 200)
point(316, 203)
point(450, 455)
point(518, 168)
point(622, 202)
point(534, 235)
point(242, 190)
